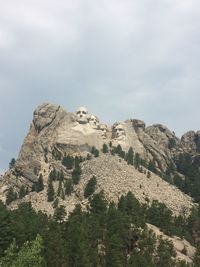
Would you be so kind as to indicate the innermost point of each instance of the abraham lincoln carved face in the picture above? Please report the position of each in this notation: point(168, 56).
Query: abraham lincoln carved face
point(119, 132)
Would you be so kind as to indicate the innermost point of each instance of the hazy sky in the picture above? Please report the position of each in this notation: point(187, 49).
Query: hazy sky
point(120, 58)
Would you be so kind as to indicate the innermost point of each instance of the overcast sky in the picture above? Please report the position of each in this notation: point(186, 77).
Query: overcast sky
point(120, 58)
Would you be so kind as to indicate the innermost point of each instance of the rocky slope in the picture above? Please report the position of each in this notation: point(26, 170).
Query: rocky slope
point(115, 177)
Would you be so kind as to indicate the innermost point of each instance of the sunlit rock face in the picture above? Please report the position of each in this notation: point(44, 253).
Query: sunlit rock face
point(123, 134)
point(120, 132)
point(44, 115)
point(53, 128)
point(94, 122)
point(82, 115)
point(104, 130)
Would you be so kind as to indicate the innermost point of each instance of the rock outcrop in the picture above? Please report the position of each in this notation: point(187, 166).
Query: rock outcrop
point(55, 132)
point(184, 250)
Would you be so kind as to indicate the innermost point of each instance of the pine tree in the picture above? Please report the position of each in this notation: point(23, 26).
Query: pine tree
point(29, 255)
point(68, 162)
point(12, 163)
point(10, 196)
point(59, 213)
point(90, 187)
point(6, 234)
point(196, 260)
point(76, 174)
point(50, 191)
point(39, 186)
point(152, 166)
point(129, 156)
point(118, 150)
point(61, 176)
point(59, 188)
point(53, 175)
point(22, 192)
point(95, 152)
point(137, 161)
point(68, 187)
point(105, 148)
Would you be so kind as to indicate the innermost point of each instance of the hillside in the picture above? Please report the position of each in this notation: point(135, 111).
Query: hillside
point(65, 154)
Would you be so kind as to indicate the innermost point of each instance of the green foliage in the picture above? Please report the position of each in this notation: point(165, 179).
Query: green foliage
point(158, 214)
point(21, 227)
point(39, 185)
point(172, 143)
point(22, 191)
point(196, 260)
point(105, 148)
point(152, 166)
point(90, 187)
point(59, 213)
point(59, 188)
point(46, 154)
point(53, 175)
point(95, 152)
point(118, 150)
point(137, 161)
point(191, 183)
point(12, 163)
point(5, 228)
point(76, 174)
point(129, 156)
point(75, 177)
point(10, 196)
point(68, 187)
point(50, 191)
point(68, 162)
point(103, 236)
point(98, 203)
point(29, 255)
point(60, 176)
point(165, 252)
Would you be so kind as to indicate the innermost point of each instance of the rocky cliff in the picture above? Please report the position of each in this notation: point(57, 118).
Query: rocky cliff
point(54, 132)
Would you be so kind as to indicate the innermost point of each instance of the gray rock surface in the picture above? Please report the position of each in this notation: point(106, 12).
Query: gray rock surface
point(54, 131)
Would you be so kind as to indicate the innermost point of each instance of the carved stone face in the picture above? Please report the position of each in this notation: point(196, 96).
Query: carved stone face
point(82, 115)
point(104, 130)
point(119, 132)
point(94, 122)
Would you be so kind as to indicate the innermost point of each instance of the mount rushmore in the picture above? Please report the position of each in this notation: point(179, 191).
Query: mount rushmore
point(55, 132)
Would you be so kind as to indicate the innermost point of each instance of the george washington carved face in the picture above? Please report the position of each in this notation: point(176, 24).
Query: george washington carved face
point(82, 115)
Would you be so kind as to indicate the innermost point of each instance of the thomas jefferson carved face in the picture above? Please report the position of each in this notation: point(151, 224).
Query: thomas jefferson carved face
point(82, 115)
point(119, 131)
point(94, 122)
point(104, 130)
